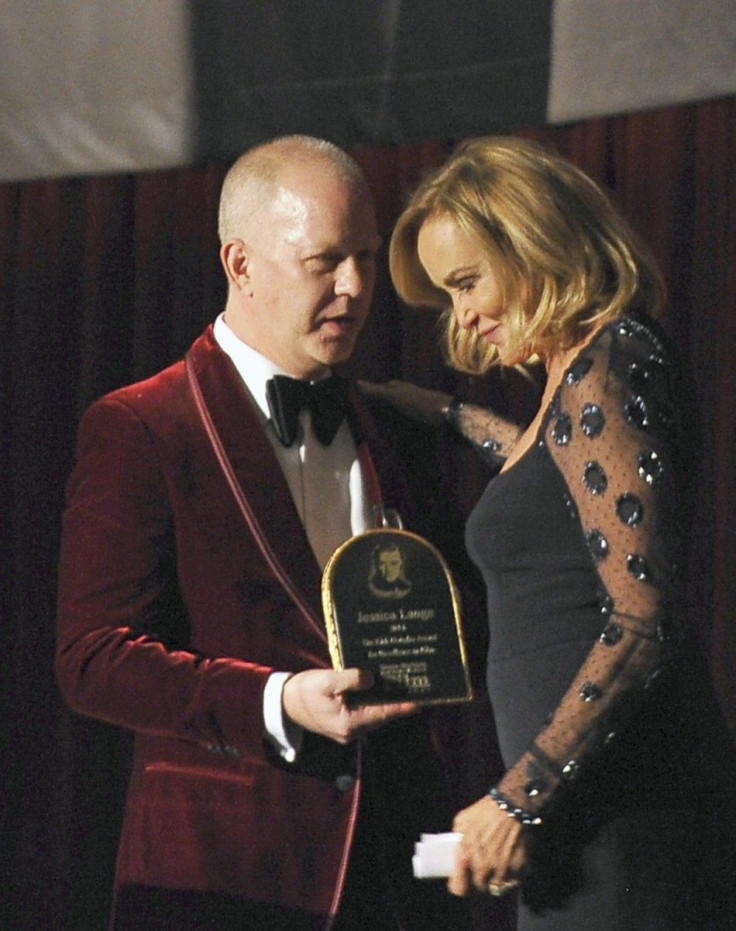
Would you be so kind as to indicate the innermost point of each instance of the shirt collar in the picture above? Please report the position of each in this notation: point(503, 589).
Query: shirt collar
point(253, 367)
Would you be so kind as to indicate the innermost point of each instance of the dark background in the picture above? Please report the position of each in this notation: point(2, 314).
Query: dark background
point(104, 280)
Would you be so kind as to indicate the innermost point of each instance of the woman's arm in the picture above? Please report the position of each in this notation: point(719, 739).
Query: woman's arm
point(612, 434)
point(492, 434)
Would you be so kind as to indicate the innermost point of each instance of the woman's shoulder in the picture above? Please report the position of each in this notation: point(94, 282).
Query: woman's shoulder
point(635, 336)
point(631, 368)
point(634, 352)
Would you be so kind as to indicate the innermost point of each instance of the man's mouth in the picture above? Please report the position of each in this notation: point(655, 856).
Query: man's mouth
point(337, 326)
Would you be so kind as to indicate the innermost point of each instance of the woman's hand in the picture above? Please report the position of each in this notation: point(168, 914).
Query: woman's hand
point(492, 855)
point(414, 402)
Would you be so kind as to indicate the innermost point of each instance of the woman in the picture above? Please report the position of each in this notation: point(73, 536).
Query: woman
point(616, 808)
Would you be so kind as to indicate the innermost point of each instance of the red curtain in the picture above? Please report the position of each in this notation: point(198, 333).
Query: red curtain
point(104, 280)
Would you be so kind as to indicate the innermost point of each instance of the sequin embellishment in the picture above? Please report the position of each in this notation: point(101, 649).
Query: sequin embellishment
point(637, 413)
point(638, 377)
point(562, 430)
point(595, 478)
point(533, 788)
point(606, 604)
point(630, 510)
point(637, 567)
point(592, 420)
point(612, 634)
point(598, 544)
point(651, 468)
point(589, 691)
point(578, 370)
point(570, 770)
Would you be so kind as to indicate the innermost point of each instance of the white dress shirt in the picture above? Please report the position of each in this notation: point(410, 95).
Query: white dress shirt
point(328, 486)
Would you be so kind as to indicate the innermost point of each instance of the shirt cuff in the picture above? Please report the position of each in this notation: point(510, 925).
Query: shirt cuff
point(284, 735)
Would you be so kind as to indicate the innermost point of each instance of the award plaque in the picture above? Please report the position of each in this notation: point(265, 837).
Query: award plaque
point(391, 607)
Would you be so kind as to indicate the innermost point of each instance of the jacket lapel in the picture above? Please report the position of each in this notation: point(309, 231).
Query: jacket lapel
point(239, 426)
point(238, 423)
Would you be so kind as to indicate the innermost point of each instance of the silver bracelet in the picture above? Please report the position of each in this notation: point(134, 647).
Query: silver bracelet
point(518, 814)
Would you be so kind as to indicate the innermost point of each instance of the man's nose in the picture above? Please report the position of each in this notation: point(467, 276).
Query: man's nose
point(351, 278)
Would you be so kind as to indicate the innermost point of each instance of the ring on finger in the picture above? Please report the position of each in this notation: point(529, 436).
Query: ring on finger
point(501, 889)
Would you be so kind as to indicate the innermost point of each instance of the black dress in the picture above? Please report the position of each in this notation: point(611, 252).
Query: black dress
point(608, 726)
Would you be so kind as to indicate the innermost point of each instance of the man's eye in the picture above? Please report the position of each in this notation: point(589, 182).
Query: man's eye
point(326, 262)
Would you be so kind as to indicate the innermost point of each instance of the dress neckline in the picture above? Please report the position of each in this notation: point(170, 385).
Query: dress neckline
point(543, 414)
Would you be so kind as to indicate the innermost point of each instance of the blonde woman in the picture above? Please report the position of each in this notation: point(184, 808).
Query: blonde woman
point(616, 807)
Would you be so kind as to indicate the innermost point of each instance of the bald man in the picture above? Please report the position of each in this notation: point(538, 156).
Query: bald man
point(201, 510)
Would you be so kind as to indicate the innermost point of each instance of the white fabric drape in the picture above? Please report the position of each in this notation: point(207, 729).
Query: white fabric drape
point(99, 86)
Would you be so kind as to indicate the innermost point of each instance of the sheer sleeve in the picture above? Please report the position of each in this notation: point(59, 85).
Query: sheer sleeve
point(611, 432)
point(492, 435)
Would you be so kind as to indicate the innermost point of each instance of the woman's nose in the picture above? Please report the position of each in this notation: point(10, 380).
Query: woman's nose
point(464, 314)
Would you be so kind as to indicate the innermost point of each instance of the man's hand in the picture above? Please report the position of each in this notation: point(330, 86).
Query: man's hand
point(315, 699)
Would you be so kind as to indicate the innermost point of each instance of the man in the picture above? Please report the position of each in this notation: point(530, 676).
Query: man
point(200, 513)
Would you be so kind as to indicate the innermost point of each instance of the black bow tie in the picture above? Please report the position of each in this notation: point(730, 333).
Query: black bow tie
point(326, 400)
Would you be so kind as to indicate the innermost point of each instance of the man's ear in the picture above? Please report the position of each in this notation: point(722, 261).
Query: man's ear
point(234, 260)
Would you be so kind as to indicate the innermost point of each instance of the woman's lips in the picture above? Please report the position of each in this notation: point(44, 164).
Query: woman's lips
point(489, 333)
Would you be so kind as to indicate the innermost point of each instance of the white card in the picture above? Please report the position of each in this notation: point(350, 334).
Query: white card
point(434, 855)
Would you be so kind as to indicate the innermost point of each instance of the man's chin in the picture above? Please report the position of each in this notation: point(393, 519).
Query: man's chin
point(337, 349)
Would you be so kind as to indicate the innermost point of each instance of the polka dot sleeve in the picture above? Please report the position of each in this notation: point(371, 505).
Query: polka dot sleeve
point(610, 430)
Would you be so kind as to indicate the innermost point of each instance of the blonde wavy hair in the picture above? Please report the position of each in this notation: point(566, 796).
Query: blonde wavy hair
point(566, 259)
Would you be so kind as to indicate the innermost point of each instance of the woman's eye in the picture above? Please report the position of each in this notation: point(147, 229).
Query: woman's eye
point(466, 285)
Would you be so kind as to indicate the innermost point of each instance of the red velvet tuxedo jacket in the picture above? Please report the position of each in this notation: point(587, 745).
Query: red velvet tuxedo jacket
point(170, 623)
